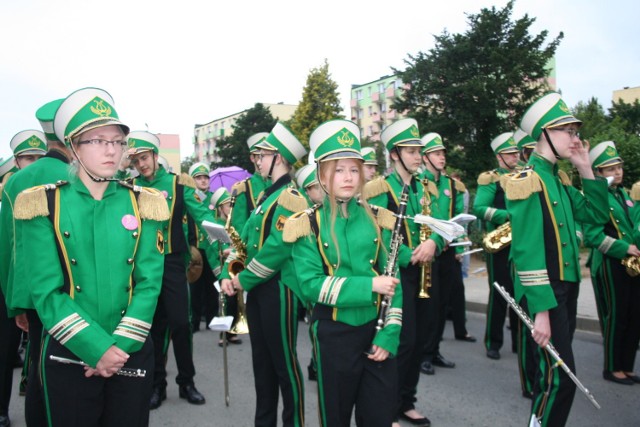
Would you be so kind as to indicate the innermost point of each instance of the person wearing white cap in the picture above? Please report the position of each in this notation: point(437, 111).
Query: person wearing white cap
point(338, 252)
point(306, 179)
point(50, 168)
point(96, 240)
point(248, 190)
point(402, 140)
point(544, 211)
point(173, 310)
point(370, 163)
point(616, 289)
point(273, 297)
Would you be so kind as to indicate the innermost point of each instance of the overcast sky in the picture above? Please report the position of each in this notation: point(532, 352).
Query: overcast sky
point(172, 64)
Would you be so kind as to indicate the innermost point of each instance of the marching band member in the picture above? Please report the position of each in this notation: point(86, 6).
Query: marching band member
point(370, 163)
point(338, 253)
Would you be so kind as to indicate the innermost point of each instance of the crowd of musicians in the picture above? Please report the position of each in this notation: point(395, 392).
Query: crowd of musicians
point(107, 260)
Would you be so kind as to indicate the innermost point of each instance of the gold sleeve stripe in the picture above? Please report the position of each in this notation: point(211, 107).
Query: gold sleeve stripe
point(217, 271)
point(331, 290)
point(72, 331)
point(534, 277)
point(135, 323)
point(131, 334)
point(394, 317)
point(259, 270)
point(606, 244)
point(64, 323)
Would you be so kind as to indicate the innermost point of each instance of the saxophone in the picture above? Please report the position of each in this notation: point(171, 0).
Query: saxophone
point(236, 265)
point(497, 239)
point(632, 264)
point(425, 232)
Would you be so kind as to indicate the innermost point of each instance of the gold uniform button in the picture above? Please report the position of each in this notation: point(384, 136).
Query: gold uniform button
point(134, 234)
point(335, 265)
point(122, 313)
point(566, 264)
point(257, 228)
point(325, 244)
point(67, 234)
point(375, 240)
point(371, 261)
point(561, 224)
point(130, 261)
point(78, 288)
point(564, 244)
point(73, 261)
point(555, 203)
point(255, 246)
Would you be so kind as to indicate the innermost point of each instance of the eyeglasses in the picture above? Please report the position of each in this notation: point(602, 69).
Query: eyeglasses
point(571, 131)
point(103, 143)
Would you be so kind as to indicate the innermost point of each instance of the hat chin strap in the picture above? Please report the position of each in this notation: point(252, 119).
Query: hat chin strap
point(553, 149)
point(505, 162)
point(431, 163)
point(89, 174)
point(273, 163)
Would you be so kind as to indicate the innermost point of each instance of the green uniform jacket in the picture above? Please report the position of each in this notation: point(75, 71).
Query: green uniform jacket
point(51, 168)
point(247, 193)
point(345, 281)
point(635, 212)
point(267, 253)
point(175, 230)
point(489, 204)
point(101, 286)
point(543, 212)
point(385, 192)
point(613, 238)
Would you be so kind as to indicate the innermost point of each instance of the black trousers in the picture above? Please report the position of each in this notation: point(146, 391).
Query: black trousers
point(272, 315)
point(527, 353)
point(72, 400)
point(34, 405)
point(348, 379)
point(457, 301)
point(499, 271)
point(553, 389)
point(412, 338)
point(9, 343)
point(171, 322)
point(204, 296)
point(443, 272)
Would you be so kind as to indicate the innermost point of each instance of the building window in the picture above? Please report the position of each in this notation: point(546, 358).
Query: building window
point(370, 131)
point(383, 107)
point(359, 114)
point(381, 87)
point(359, 94)
point(370, 110)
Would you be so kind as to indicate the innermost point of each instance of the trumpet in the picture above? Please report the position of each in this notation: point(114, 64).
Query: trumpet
point(632, 264)
point(425, 232)
point(235, 266)
point(497, 239)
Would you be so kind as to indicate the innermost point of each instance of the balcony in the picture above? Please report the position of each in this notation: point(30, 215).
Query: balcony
point(375, 97)
point(376, 117)
point(354, 103)
point(390, 92)
point(391, 115)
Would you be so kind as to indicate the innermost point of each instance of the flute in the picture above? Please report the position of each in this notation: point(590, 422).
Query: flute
point(125, 372)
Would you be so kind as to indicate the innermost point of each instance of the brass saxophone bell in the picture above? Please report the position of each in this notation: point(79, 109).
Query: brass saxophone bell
point(240, 326)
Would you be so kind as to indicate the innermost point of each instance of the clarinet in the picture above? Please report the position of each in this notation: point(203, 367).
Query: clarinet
point(391, 269)
point(549, 347)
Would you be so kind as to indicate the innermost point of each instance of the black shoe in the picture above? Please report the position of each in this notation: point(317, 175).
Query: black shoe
point(467, 338)
point(493, 354)
point(438, 360)
point(427, 368)
point(527, 394)
point(423, 422)
point(192, 395)
point(313, 374)
point(157, 396)
point(634, 378)
point(607, 375)
point(4, 421)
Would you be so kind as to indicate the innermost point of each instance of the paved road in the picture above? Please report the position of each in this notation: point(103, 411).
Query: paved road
point(478, 392)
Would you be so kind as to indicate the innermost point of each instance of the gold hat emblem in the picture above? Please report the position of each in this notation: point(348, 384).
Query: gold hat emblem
point(563, 107)
point(100, 109)
point(414, 131)
point(346, 139)
point(34, 141)
point(611, 151)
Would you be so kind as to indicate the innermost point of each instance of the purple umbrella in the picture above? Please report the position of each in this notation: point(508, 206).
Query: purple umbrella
point(226, 177)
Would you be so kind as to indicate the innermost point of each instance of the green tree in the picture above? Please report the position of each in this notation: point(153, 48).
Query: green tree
point(186, 163)
point(628, 113)
point(320, 102)
point(473, 86)
point(233, 149)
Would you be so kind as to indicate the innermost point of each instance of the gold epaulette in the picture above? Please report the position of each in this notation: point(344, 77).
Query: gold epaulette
point(32, 202)
point(292, 200)
point(384, 217)
point(5, 178)
point(298, 225)
point(486, 178)
point(151, 203)
point(635, 192)
point(375, 187)
point(564, 178)
point(522, 184)
point(240, 187)
point(430, 186)
point(186, 180)
point(504, 179)
point(460, 187)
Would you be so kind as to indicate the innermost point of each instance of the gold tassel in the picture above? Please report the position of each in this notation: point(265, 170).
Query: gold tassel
point(151, 204)
point(5, 178)
point(186, 180)
point(292, 200)
point(240, 187)
point(504, 179)
point(522, 185)
point(635, 192)
point(32, 202)
point(486, 178)
point(432, 188)
point(375, 187)
point(564, 178)
point(385, 218)
point(297, 225)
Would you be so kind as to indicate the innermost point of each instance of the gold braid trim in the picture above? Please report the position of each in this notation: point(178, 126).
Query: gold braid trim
point(504, 179)
point(151, 204)
point(374, 188)
point(459, 185)
point(489, 177)
point(384, 217)
point(292, 200)
point(297, 225)
point(564, 178)
point(635, 192)
point(522, 184)
point(5, 178)
point(432, 188)
point(32, 202)
point(186, 180)
point(239, 187)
